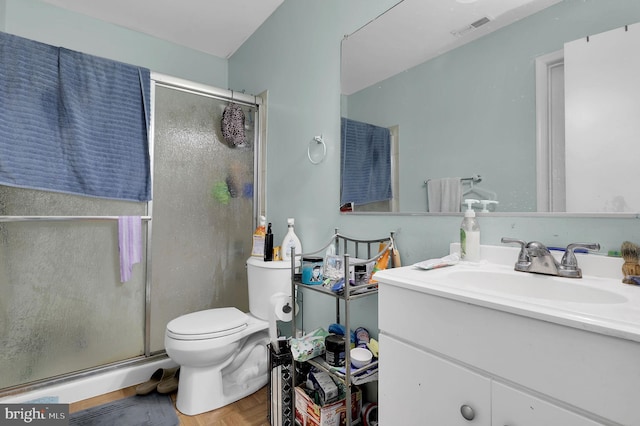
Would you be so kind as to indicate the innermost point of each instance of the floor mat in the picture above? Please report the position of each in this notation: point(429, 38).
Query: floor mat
point(148, 410)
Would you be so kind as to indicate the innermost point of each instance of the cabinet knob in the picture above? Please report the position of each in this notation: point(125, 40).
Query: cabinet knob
point(467, 412)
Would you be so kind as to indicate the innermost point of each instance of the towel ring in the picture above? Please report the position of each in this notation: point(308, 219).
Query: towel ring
point(317, 140)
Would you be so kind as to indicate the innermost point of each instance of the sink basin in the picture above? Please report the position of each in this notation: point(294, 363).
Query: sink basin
point(526, 285)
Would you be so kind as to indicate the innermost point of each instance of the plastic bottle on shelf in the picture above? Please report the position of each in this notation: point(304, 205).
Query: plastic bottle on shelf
point(290, 240)
point(257, 249)
point(470, 234)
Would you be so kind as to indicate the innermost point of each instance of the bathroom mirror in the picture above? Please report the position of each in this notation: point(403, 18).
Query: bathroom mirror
point(470, 108)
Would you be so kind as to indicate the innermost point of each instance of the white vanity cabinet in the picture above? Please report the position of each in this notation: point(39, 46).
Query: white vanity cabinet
point(418, 388)
point(440, 351)
point(512, 407)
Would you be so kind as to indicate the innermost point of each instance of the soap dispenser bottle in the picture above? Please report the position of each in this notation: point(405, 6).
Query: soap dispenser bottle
point(470, 234)
point(290, 240)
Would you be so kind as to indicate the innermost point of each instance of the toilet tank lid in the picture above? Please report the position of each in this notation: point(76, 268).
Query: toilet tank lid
point(276, 264)
point(207, 322)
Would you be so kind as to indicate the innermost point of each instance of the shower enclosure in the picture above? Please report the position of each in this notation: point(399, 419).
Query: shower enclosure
point(63, 309)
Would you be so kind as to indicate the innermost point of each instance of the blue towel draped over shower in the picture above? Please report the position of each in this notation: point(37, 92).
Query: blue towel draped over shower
point(72, 122)
point(365, 163)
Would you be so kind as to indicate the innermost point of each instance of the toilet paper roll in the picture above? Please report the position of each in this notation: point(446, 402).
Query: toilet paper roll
point(280, 309)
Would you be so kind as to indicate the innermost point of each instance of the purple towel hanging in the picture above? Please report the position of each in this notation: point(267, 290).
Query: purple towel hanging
point(130, 244)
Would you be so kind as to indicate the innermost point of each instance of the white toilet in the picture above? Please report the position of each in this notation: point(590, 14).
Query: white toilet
point(223, 352)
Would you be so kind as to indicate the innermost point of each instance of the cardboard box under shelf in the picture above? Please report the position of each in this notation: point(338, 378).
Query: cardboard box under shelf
point(309, 413)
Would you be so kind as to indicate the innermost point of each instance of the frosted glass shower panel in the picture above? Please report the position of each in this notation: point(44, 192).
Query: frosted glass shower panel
point(202, 209)
point(63, 308)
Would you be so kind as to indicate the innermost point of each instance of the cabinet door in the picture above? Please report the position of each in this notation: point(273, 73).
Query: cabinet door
point(512, 407)
point(419, 389)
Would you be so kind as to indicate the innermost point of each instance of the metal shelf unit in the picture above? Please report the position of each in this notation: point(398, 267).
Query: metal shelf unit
point(373, 249)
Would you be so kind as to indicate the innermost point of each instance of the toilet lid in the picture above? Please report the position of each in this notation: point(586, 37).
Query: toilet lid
point(207, 324)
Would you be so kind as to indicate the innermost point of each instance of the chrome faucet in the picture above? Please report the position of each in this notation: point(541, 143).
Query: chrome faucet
point(536, 258)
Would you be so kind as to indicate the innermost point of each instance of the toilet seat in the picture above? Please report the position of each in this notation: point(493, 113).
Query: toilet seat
point(207, 324)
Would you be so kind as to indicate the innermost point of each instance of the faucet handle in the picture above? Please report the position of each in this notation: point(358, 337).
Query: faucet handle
point(523, 256)
point(569, 263)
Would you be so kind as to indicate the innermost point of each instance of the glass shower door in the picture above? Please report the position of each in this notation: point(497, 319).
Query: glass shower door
point(63, 308)
point(202, 209)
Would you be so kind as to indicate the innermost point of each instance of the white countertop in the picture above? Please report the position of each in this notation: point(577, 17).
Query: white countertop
point(617, 314)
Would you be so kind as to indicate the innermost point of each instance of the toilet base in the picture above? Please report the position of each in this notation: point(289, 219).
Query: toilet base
point(203, 389)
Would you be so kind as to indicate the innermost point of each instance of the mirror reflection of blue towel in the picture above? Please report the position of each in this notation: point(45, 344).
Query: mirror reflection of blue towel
point(365, 163)
point(72, 122)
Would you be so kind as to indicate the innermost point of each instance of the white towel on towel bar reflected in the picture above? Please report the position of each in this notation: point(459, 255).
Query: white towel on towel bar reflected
point(444, 195)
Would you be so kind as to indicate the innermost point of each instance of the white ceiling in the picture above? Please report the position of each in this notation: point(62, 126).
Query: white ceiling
point(415, 31)
point(217, 27)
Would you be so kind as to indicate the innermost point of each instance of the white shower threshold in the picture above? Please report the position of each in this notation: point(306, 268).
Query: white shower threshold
point(91, 385)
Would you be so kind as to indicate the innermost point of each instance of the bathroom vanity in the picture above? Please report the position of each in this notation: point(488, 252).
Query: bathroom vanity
point(482, 344)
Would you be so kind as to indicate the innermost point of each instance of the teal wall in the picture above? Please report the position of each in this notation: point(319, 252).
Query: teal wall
point(3, 7)
point(296, 56)
point(43, 22)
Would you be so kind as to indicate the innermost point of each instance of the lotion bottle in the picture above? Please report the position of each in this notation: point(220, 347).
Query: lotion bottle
point(470, 234)
point(290, 240)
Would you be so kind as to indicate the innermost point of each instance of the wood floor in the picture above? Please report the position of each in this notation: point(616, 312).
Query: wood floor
point(250, 411)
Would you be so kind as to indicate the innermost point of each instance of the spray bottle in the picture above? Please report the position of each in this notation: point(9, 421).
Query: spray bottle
point(470, 234)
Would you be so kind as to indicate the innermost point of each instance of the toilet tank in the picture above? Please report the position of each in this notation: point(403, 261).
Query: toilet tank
point(266, 279)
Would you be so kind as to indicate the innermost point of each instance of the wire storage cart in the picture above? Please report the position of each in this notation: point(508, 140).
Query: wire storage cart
point(357, 260)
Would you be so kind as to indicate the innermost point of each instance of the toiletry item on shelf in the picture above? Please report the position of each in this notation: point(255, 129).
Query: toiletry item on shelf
point(309, 345)
point(339, 329)
point(326, 388)
point(338, 286)
point(630, 268)
point(374, 347)
point(312, 270)
point(485, 204)
point(360, 275)
point(381, 264)
point(470, 234)
point(257, 249)
point(362, 337)
point(290, 240)
point(268, 245)
point(441, 262)
point(335, 350)
point(395, 255)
